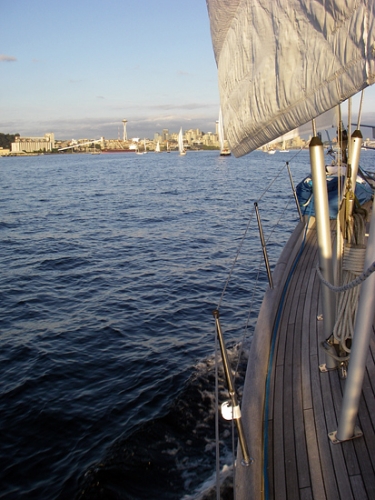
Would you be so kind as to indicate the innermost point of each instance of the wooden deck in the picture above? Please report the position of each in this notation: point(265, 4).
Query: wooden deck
point(304, 403)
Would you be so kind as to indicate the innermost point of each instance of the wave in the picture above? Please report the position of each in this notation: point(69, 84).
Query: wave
point(172, 455)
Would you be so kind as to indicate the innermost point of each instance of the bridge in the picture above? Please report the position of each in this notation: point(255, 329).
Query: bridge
point(79, 144)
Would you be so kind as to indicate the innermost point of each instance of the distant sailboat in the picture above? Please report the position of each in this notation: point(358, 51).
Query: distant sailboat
point(144, 143)
point(224, 151)
point(269, 149)
point(157, 148)
point(283, 148)
point(168, 151)
point(181, 144)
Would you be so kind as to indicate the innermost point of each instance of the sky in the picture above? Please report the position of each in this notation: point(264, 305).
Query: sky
point(78, 68)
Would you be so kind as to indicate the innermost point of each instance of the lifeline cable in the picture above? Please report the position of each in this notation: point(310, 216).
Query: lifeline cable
point(218, 306)
point(246, 230)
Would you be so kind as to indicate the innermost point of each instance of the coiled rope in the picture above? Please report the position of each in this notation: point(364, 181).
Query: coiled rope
point(352, 277)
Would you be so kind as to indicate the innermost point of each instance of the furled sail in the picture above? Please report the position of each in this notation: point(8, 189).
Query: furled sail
point(283, 62)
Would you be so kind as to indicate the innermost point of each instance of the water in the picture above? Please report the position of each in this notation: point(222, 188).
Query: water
point(111, 267)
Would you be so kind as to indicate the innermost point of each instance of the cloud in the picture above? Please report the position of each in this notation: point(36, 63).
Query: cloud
point(100, 97)
point(110, 127)
point(166, 107)
point(4, 58)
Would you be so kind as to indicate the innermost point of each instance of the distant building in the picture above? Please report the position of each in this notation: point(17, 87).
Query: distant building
point(210, 139)
point(32, 144)
point(165, 134)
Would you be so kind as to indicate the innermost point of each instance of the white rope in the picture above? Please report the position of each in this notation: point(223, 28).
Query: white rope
point(352, 277)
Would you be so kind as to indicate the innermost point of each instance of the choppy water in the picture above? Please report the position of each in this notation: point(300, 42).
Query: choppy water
point(110, 268)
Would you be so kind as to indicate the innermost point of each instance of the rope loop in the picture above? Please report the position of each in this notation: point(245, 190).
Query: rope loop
point(337, 289)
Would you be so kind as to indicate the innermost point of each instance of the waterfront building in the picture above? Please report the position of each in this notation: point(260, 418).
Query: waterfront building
point(34, 144)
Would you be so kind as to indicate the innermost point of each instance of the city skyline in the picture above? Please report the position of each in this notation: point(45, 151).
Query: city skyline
point(79, 69)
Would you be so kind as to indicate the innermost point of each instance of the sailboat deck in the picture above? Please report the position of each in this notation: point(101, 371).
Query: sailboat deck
point(305, 404)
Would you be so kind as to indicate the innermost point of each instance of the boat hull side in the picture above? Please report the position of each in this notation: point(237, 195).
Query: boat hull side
point(249, 480)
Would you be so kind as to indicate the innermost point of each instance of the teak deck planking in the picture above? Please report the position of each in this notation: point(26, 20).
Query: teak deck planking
point(305, 405)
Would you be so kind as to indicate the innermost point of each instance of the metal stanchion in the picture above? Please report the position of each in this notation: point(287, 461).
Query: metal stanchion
point(294, 192)
point(235, 409)
point(263, 246)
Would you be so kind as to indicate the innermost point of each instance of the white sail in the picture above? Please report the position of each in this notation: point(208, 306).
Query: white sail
point(157, 148)
point(280, 64)
point(181, 143)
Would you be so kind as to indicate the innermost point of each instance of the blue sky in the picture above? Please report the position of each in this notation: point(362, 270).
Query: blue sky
point(78, 68)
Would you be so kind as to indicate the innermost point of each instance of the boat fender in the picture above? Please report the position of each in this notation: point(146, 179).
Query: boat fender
point(230, 412)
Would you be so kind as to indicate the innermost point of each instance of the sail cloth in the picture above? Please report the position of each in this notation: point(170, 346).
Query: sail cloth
point(283, 62)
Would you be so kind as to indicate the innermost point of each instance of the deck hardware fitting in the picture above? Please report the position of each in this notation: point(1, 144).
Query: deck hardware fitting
point(328, 347)
point(333, 436)
point(343, 370)
point(323, 368)
point(229, 412)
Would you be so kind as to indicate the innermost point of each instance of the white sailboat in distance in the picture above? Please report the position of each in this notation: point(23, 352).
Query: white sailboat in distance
point(224, 150)
point(181, 148)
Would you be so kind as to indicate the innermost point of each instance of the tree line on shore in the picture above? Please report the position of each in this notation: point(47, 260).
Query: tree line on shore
point(7, 139)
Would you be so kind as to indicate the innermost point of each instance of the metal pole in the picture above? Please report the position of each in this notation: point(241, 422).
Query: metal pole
point(294, 192)
point(319, 183)
point(360, 344)
point(237, 417)
point(355, 153)
point(264, 248)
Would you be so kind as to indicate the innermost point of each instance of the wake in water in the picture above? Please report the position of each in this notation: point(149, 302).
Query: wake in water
point(170, 457)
